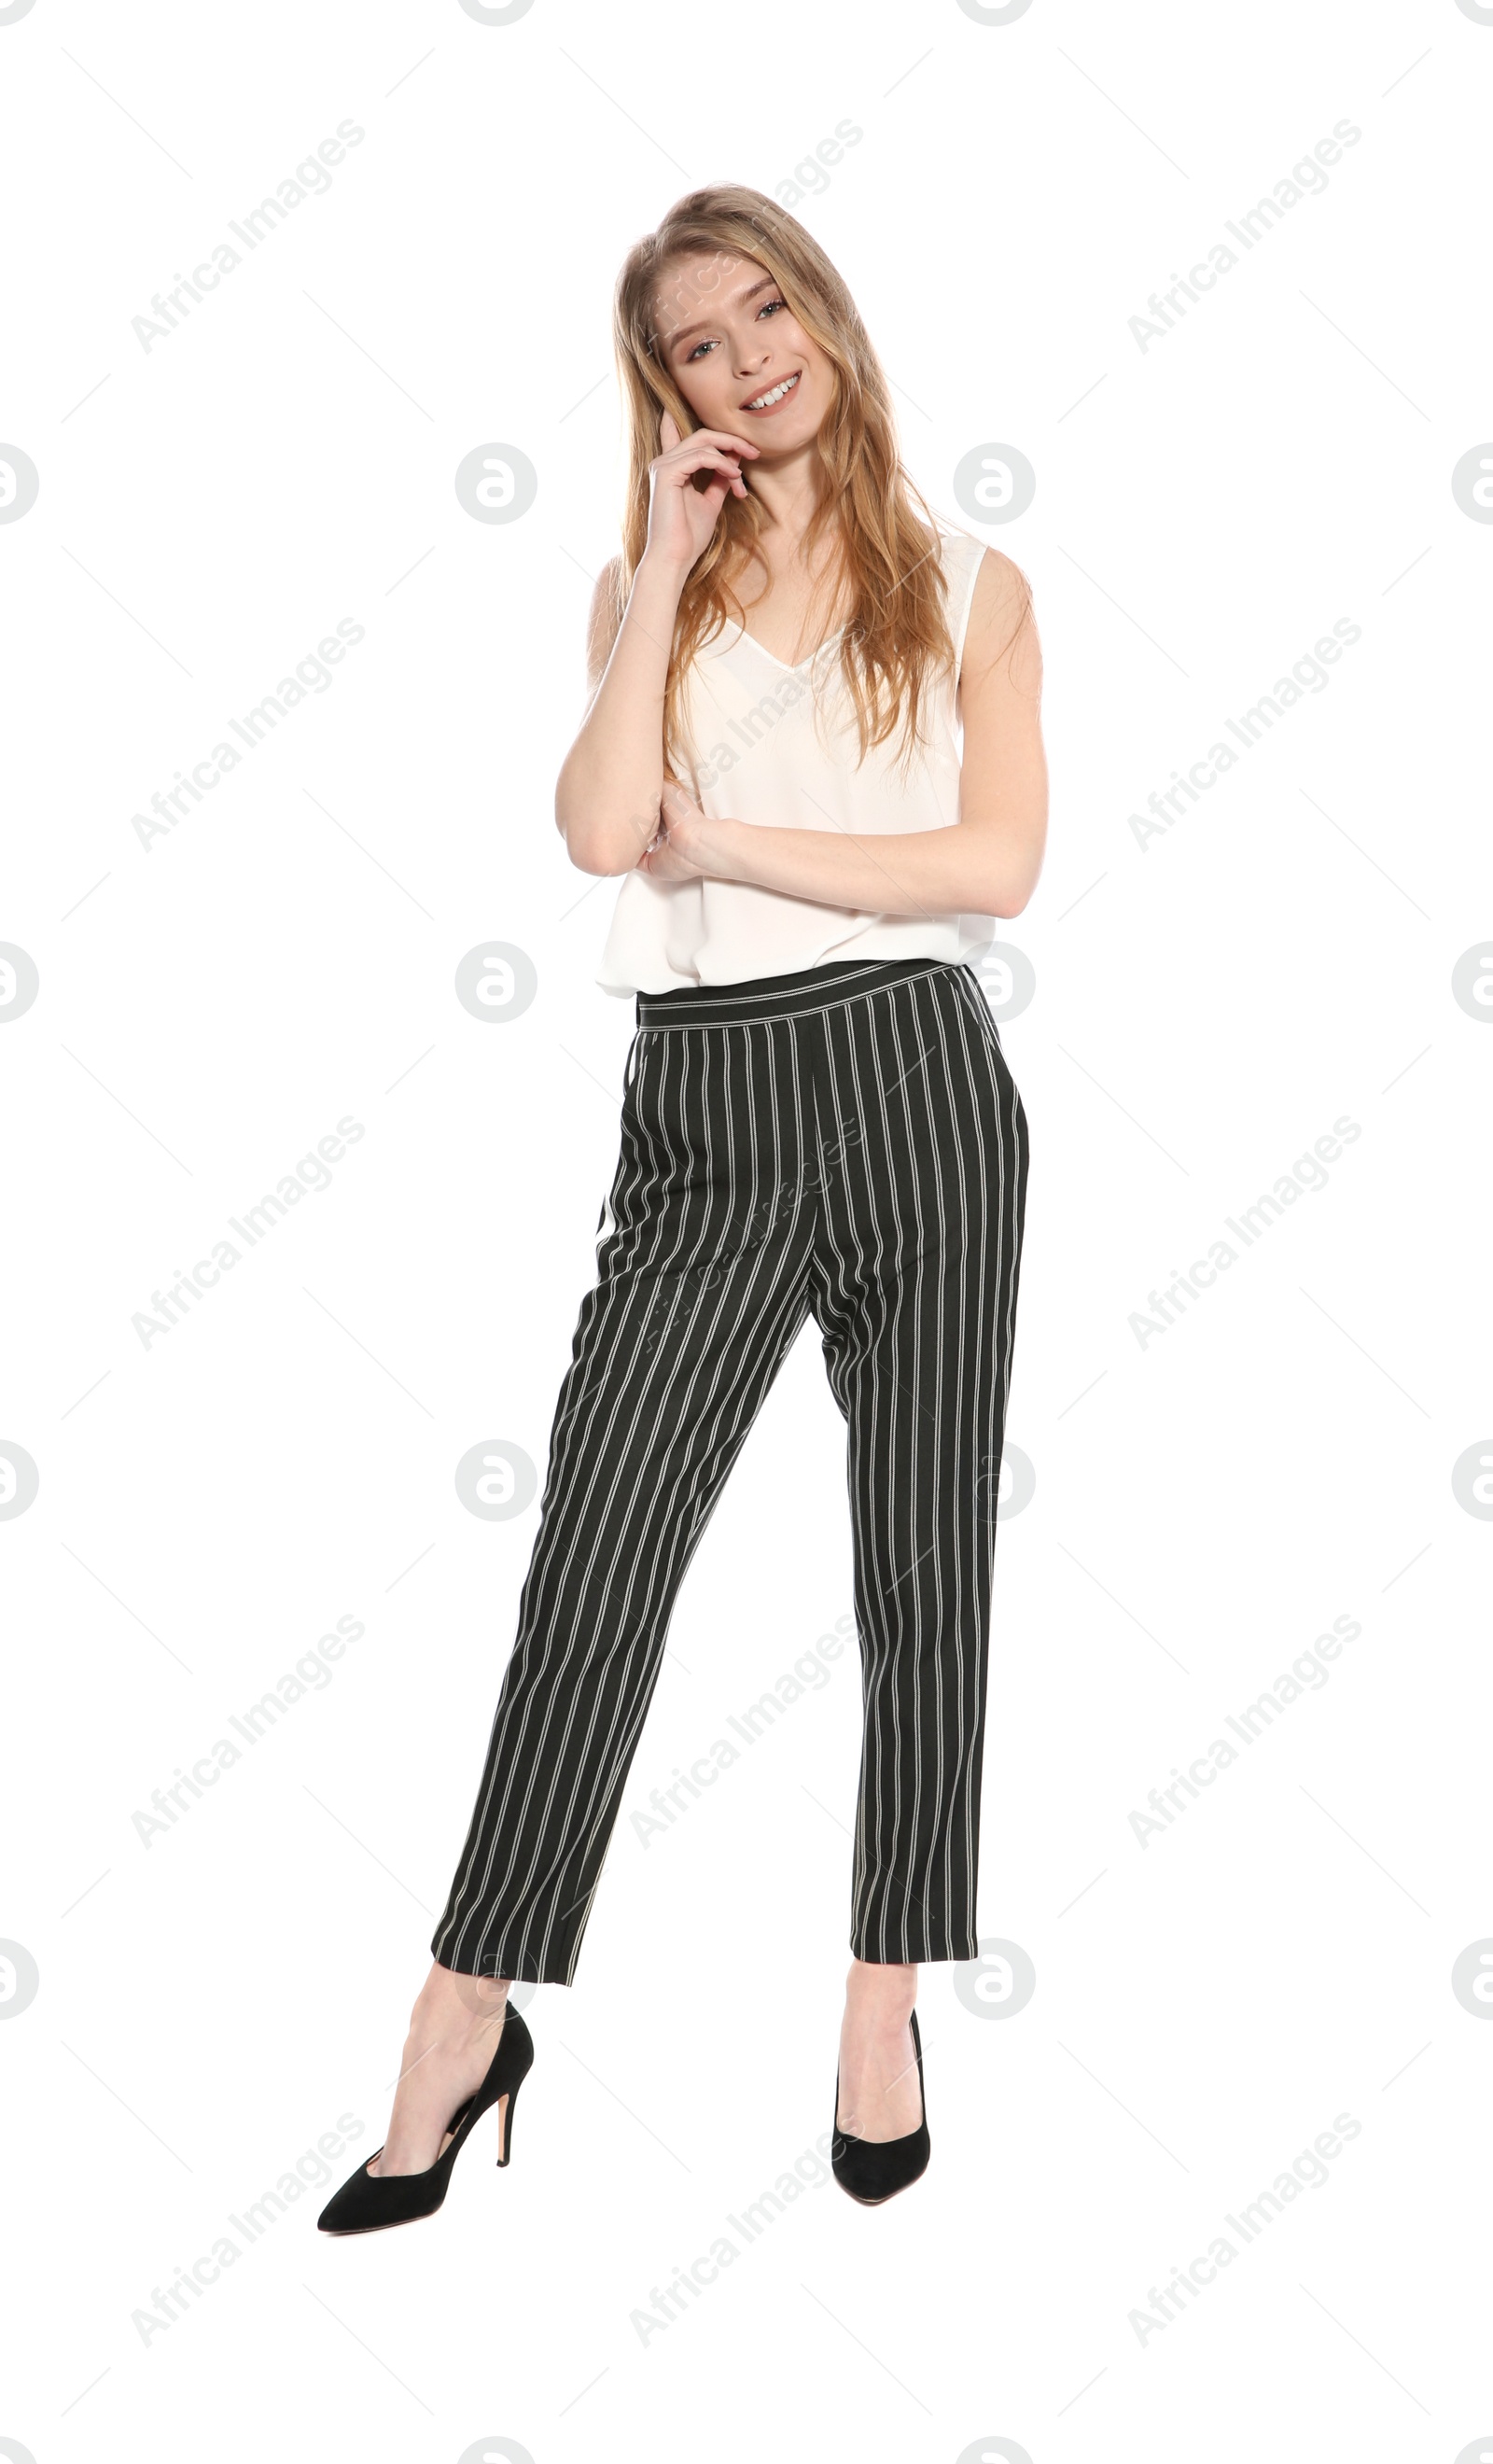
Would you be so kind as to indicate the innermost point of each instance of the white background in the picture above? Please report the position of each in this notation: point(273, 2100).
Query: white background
point(1205, 1505)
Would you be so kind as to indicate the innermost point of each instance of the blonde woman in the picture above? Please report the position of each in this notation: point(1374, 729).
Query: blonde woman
point(818, 1119)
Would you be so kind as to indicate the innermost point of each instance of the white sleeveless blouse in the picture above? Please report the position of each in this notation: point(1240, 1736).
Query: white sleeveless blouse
point(753, 753)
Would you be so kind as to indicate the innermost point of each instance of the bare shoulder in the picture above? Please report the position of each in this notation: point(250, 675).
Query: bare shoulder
point(1002, 627)
point(605, 620)
point(1001, 591)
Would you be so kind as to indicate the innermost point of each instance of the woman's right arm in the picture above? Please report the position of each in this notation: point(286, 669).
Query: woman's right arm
point(606, 797)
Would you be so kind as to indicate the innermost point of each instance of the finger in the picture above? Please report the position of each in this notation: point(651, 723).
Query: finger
point(695, 456)
point(718, 484)
point(720, 438)
point(724, 436)
point(667, 432)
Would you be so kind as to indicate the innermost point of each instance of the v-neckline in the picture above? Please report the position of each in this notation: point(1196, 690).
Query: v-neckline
point(796, 667)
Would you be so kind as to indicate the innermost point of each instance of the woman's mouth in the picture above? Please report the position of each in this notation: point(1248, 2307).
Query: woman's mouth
point(766, 404)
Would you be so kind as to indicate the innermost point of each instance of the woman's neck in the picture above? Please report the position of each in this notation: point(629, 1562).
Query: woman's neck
point(789, 492)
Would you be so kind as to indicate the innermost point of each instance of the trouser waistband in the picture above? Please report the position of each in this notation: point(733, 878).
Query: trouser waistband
point(772, 997)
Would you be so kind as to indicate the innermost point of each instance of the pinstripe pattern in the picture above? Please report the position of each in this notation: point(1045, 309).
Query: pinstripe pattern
point(845, 1141)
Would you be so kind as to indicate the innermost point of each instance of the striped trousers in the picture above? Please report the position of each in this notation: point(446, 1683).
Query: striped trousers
point(848, 1141)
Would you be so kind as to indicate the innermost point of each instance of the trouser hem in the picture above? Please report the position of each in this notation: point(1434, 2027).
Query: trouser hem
point(917, 1956)
point(520, 1968)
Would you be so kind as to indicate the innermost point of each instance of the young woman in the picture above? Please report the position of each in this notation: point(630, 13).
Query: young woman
point(816, 1117)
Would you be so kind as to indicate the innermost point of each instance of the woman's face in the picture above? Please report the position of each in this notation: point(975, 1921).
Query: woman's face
point(728, 338)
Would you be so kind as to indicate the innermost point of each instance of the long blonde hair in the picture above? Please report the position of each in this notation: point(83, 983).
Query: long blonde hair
point(896, 638)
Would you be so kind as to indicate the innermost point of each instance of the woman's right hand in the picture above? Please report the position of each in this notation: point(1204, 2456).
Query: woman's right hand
point(682, 517)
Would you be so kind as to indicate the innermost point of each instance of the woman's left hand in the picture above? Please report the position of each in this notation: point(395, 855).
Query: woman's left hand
point(688, 846)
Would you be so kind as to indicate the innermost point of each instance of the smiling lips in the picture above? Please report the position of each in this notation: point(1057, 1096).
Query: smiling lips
point(766, 404)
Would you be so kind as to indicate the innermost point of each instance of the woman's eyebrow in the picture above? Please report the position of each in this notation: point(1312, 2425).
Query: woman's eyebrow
point(682, 333)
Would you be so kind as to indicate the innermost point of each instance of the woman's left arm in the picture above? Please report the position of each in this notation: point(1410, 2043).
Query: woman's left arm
point(985, 864)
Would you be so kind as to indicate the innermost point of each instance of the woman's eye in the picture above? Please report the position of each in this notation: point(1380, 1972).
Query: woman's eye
point(767, 309)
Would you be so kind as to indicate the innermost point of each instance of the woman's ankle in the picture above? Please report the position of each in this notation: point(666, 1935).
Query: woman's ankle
point(455, 2008)
point(882, 1992)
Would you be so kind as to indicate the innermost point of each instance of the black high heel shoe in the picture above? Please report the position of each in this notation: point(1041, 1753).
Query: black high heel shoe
point(367, 2201)
point(874, 2170)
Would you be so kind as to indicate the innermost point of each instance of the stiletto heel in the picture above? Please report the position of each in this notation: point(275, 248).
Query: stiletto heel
point(508, 2126)
point(368, 2202)
point(874, 2170)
